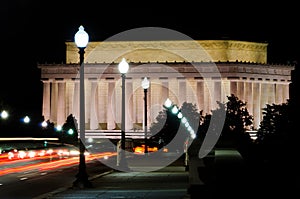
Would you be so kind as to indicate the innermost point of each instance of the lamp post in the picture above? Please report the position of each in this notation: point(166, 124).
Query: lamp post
point(123, 68)
point(81, 40)
point(145, 85)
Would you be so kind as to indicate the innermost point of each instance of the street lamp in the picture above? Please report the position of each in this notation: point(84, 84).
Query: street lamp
point(123, 68)
point(145, 85)
point(4, 114)
point(81, 39)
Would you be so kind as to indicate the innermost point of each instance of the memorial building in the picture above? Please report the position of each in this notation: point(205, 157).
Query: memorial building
point(201, 72)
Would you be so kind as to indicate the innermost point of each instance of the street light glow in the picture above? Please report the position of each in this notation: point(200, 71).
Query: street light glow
point(175, 110)
point(168, 103)
point(123, 66)
point(4, 114)
point(58, 127)
point(145, 83)
point(26, 119)
point(81, 38)
point(44, 124)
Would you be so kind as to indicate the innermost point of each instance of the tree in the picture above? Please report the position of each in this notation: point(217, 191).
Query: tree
point(237, 121)
point(168, 127)
point(69, 132)
point(165, 127)
point(272, 135)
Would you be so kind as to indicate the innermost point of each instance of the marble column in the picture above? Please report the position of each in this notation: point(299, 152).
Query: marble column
point(164, 90)
point(208, 96)
point(93, 105)
point(278, 93)
point(46, 100)
point(249, 97)
point(102, 91)
point(271, 97)
point(69, 97)
point(53, 112)
point(217, 92)
point(155, 97)
point(285, 92)
point(61, 102)
point(241, 90)
point(200, 94)
point(111, 109)
point(256, 105)
point(182, 94)
point(128, 104)
point(233, 88)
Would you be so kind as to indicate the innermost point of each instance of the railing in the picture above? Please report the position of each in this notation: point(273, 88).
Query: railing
point(115, 134)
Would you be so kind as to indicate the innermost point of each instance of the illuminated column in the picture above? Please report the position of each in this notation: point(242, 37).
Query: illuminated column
point(87, 102)
point(93, 105)
point(256, 105)
point(129, 104)
point(208, 96)
point(155, 90)
point(200, 94)
point(102, 102)
point(164, 90)
point(240, 90)
point(61, 106)
point(249, 97)
point(263, 98)
point(182, 95)
point(225, 90)
point(285, 92)
point(46, 100)
point(217, 93)
point(278, 93)
point(111, 101)
point(69, 96)
point(53, 111)
point(271, 97)
point(174, 93)
point(191, 91)
point(233, 88)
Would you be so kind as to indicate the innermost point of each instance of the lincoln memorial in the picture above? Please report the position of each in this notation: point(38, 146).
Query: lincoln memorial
point(201, 72)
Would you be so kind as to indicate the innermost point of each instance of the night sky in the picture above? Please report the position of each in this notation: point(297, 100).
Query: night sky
point(34, 31)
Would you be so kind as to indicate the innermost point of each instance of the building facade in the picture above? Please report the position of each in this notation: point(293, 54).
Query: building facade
point(200, 72)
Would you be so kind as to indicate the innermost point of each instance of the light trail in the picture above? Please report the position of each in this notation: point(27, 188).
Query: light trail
point(54, 164)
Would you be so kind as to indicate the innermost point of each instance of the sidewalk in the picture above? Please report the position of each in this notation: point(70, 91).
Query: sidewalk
point(170, 182)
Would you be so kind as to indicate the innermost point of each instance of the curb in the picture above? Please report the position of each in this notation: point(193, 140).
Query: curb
point(62, 189)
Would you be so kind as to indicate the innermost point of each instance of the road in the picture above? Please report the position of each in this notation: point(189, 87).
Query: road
point(26, 184)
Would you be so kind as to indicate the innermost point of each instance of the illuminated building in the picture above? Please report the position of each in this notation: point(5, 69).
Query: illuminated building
point(200, 72)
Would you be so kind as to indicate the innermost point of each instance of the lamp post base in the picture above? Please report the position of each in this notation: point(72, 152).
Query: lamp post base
point(122, 164)
point(82, 181)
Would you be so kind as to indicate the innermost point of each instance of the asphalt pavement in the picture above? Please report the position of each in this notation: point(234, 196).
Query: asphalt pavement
point(168, 182)
point(224, 174)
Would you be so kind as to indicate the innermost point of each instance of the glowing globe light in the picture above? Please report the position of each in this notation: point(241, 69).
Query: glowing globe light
point(184, 120)
point(26, 119)
point(179, 115)
point(175, 110)
point(59, 128)
point(4, 114)
point(193, 136)
point(123, 66)
point(145, 83)
point(70, 131)
point(81, 38)
point(168, 103)
point(44, 124)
